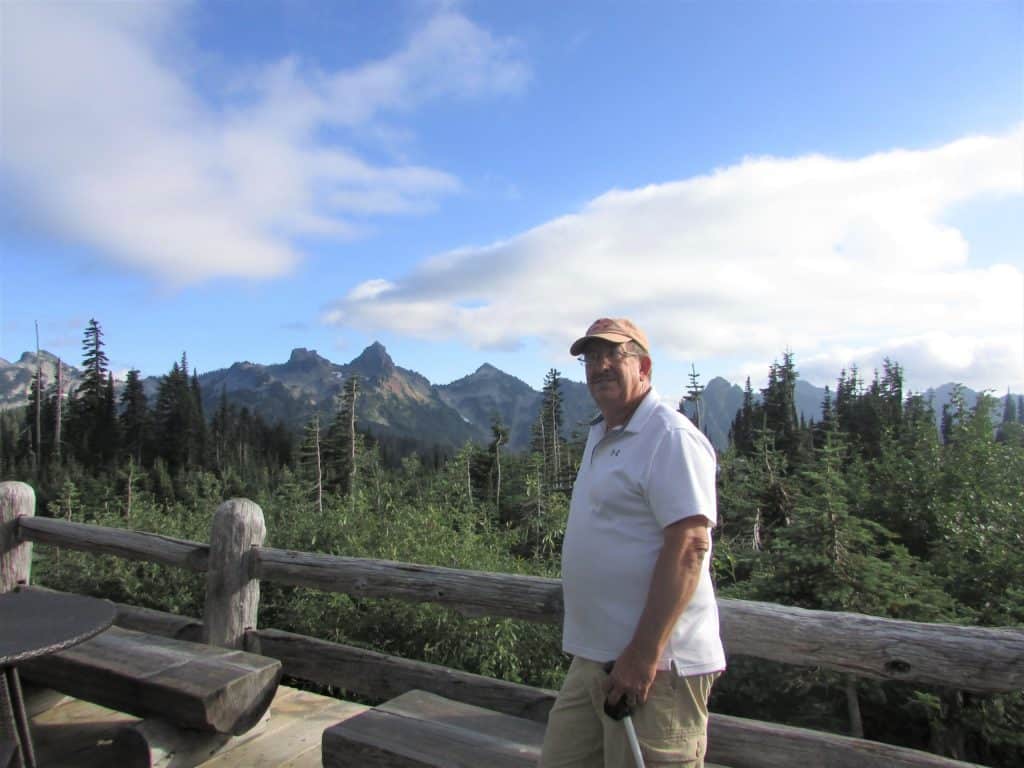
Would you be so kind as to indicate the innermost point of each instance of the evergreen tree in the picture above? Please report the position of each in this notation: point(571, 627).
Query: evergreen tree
point(904, 480)
point(742, 433)
point(200, 431)
point(499, 437)
point(978, 544)
point(135, 419)
point(92, 419)
point(94, 366)
point(1010, 429)
point(832, 559)
point(547, 433)
point(179, 426)
point(1009, 409)
point(692, 403)
point(778, 404)
point(828, 423)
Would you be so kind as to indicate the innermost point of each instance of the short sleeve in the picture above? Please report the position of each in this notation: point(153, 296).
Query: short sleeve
point(681, 478)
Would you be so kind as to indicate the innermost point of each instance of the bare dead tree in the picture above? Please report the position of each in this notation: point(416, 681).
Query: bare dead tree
point(58, 410)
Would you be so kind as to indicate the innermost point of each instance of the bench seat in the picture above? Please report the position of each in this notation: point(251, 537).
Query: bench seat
point(189, 684)
point(419, 729)
point(423, 730)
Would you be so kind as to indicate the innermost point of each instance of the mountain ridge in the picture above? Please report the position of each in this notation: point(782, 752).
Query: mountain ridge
point(401, 402)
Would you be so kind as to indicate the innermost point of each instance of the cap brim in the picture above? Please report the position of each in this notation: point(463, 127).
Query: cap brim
point(615, 338)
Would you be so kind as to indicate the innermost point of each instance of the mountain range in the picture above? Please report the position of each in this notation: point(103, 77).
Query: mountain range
point(399, 402)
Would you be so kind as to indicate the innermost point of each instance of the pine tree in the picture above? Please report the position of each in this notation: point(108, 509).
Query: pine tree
point(742, 431)
point(547, 432)
point(135, 418)
point(694, 399)
point(499, 437)
point(94, 366)
point(178, 421)
point(92, 420)
point(1009, 409)
point(108, 438)
point(779, 408)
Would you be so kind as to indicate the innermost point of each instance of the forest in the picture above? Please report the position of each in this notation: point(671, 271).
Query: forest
point(870, 508)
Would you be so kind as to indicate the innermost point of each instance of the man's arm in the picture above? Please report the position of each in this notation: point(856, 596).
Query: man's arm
point(677, 572)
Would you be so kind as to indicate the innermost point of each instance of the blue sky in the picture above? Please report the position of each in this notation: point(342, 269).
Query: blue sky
point(475, 182)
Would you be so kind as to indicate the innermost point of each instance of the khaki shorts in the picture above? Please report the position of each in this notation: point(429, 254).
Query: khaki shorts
point(671, 725)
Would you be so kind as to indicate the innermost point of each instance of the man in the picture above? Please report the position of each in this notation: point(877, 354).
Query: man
point(636, 571)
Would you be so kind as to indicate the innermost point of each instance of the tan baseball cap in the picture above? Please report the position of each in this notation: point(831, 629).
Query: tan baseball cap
point(617, 330)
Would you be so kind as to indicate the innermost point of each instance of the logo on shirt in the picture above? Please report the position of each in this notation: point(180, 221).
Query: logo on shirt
point(616, 451)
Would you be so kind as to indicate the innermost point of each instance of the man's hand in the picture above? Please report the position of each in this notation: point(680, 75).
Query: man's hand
point(631, 677)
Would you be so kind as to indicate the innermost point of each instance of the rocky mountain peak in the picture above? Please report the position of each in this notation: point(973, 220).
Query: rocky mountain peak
point(306, 358)
point(374, 362)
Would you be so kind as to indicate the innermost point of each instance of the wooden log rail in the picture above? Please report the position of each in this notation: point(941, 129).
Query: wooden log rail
point(736, 742)
point(976, 659)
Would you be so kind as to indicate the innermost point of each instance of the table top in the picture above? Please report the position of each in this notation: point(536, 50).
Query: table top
point(34, 622)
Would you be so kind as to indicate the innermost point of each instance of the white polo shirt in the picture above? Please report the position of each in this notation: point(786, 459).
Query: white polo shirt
point(633, 482)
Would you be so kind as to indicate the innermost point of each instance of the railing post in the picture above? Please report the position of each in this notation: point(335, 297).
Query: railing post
point(232, 591)
point(16, 500)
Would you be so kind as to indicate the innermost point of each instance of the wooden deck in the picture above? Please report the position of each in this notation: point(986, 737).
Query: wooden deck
point(69, 732)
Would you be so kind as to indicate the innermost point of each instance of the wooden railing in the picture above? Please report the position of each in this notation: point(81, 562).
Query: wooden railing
point(949, 656)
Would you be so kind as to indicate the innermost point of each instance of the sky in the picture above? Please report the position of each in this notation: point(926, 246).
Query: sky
point(475, 182)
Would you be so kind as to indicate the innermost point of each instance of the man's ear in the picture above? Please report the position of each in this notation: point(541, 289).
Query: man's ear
point(645, 365)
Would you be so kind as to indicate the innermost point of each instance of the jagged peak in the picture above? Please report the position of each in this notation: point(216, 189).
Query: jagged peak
point(303, 356)
point(374, 361)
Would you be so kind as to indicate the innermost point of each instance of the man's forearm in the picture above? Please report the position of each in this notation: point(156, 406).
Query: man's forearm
point(676, 575)
point(677, 572)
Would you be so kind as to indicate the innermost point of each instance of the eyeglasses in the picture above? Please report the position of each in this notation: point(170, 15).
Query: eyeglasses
point(615, 354)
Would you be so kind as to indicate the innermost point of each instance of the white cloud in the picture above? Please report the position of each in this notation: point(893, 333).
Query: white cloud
point(839, 260)
point(111, 145)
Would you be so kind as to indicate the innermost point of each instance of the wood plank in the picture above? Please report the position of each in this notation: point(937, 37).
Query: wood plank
point(191, 684)
point(422, 705)
point(289, 737)
point(311, 759)
point(380, 738)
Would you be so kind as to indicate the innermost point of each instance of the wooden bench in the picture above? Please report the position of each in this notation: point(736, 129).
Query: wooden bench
point(423, 730)
point(419, 729)
point(192, 685)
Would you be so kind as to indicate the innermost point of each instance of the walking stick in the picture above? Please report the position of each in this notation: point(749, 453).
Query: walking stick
point(622, 710)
